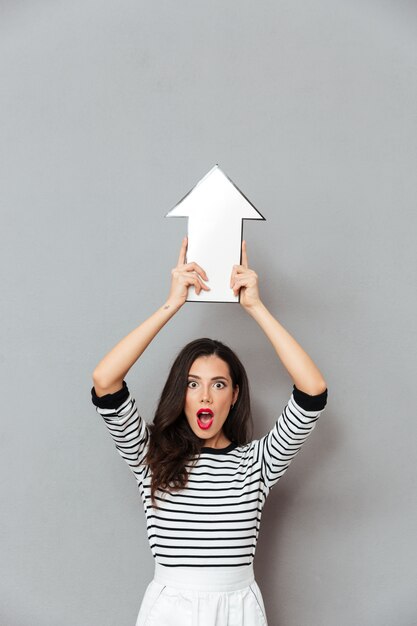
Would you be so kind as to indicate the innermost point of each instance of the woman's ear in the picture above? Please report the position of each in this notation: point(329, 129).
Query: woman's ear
point(235, 394)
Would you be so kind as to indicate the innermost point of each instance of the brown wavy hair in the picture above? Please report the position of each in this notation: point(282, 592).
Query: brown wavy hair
point(172, 443)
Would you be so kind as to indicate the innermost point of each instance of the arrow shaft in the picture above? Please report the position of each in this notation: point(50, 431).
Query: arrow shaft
point(216, 247)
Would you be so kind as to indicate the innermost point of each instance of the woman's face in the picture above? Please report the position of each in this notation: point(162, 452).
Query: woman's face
point(208, 399)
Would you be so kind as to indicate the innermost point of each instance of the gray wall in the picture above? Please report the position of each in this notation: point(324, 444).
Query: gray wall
point(110, 112)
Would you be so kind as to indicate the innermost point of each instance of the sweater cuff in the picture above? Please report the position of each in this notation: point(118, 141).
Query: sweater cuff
point(110, 400)
point(310, 403)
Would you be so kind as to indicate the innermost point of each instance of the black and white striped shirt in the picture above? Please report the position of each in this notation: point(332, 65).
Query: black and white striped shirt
point(215, 520)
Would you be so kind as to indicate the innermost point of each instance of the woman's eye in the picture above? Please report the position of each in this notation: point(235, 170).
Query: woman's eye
point(221, 385)
point(191, 383)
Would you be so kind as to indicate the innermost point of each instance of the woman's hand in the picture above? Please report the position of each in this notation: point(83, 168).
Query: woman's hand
point(245, 280)
point(183, 276)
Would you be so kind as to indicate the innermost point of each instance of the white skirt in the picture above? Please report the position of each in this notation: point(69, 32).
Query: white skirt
point(199, 596)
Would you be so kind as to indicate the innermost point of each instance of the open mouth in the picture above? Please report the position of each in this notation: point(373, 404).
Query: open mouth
point(205, 418)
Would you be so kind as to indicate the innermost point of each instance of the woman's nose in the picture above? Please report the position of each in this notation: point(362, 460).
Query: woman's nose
point(206, 395)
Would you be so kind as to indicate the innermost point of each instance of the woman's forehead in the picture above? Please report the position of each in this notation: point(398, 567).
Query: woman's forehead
point(209, 366)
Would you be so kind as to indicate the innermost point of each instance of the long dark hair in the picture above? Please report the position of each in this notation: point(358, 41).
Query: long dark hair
point(172, 443)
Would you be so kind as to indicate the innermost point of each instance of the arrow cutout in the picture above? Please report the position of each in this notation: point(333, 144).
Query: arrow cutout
point(215, 208)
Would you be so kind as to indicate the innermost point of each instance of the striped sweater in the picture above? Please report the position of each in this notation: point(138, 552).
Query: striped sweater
point(215, 520)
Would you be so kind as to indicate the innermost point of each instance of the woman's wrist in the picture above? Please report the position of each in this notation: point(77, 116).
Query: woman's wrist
point(255, 308)
point(171, 306)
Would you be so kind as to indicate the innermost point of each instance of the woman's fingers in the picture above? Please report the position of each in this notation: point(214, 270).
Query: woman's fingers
point(237, 270)
point(188, 274)
point(236, 287)
point(197, 268)
point(233, 275)
point(189, 266)
point(244, 255)
point(201, 285)
point(194, 279)
point(181, 264)
point(185, 275)
point(237, 281)
point(183, 251)
point(189, 277)
point(240, 269)
point(242, 277)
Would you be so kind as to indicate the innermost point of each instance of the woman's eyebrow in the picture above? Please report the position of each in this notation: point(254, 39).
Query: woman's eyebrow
point(214, 377)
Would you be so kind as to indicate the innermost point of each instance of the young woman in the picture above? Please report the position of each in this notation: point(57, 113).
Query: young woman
point(202, 480)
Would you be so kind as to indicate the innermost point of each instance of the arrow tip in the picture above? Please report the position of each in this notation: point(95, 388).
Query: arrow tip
point(217, 187)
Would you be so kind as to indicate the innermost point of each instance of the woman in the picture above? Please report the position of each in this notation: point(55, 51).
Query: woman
point(203, 482)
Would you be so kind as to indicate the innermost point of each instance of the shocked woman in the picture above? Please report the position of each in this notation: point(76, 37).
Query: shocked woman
point(202, 479)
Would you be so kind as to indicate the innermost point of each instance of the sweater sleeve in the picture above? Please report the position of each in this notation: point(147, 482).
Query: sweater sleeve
point(128, 429)
point(296, 422)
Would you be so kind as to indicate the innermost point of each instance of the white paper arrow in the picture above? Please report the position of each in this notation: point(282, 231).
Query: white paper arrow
point(215, 208)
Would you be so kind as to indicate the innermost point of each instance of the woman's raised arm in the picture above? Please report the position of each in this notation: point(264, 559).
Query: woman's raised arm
point(305, 374)
point(109, 374)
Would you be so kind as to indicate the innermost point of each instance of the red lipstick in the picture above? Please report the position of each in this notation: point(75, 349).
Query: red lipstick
point(205, 418)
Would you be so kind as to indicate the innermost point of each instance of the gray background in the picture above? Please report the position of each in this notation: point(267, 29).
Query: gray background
point(110, 112)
